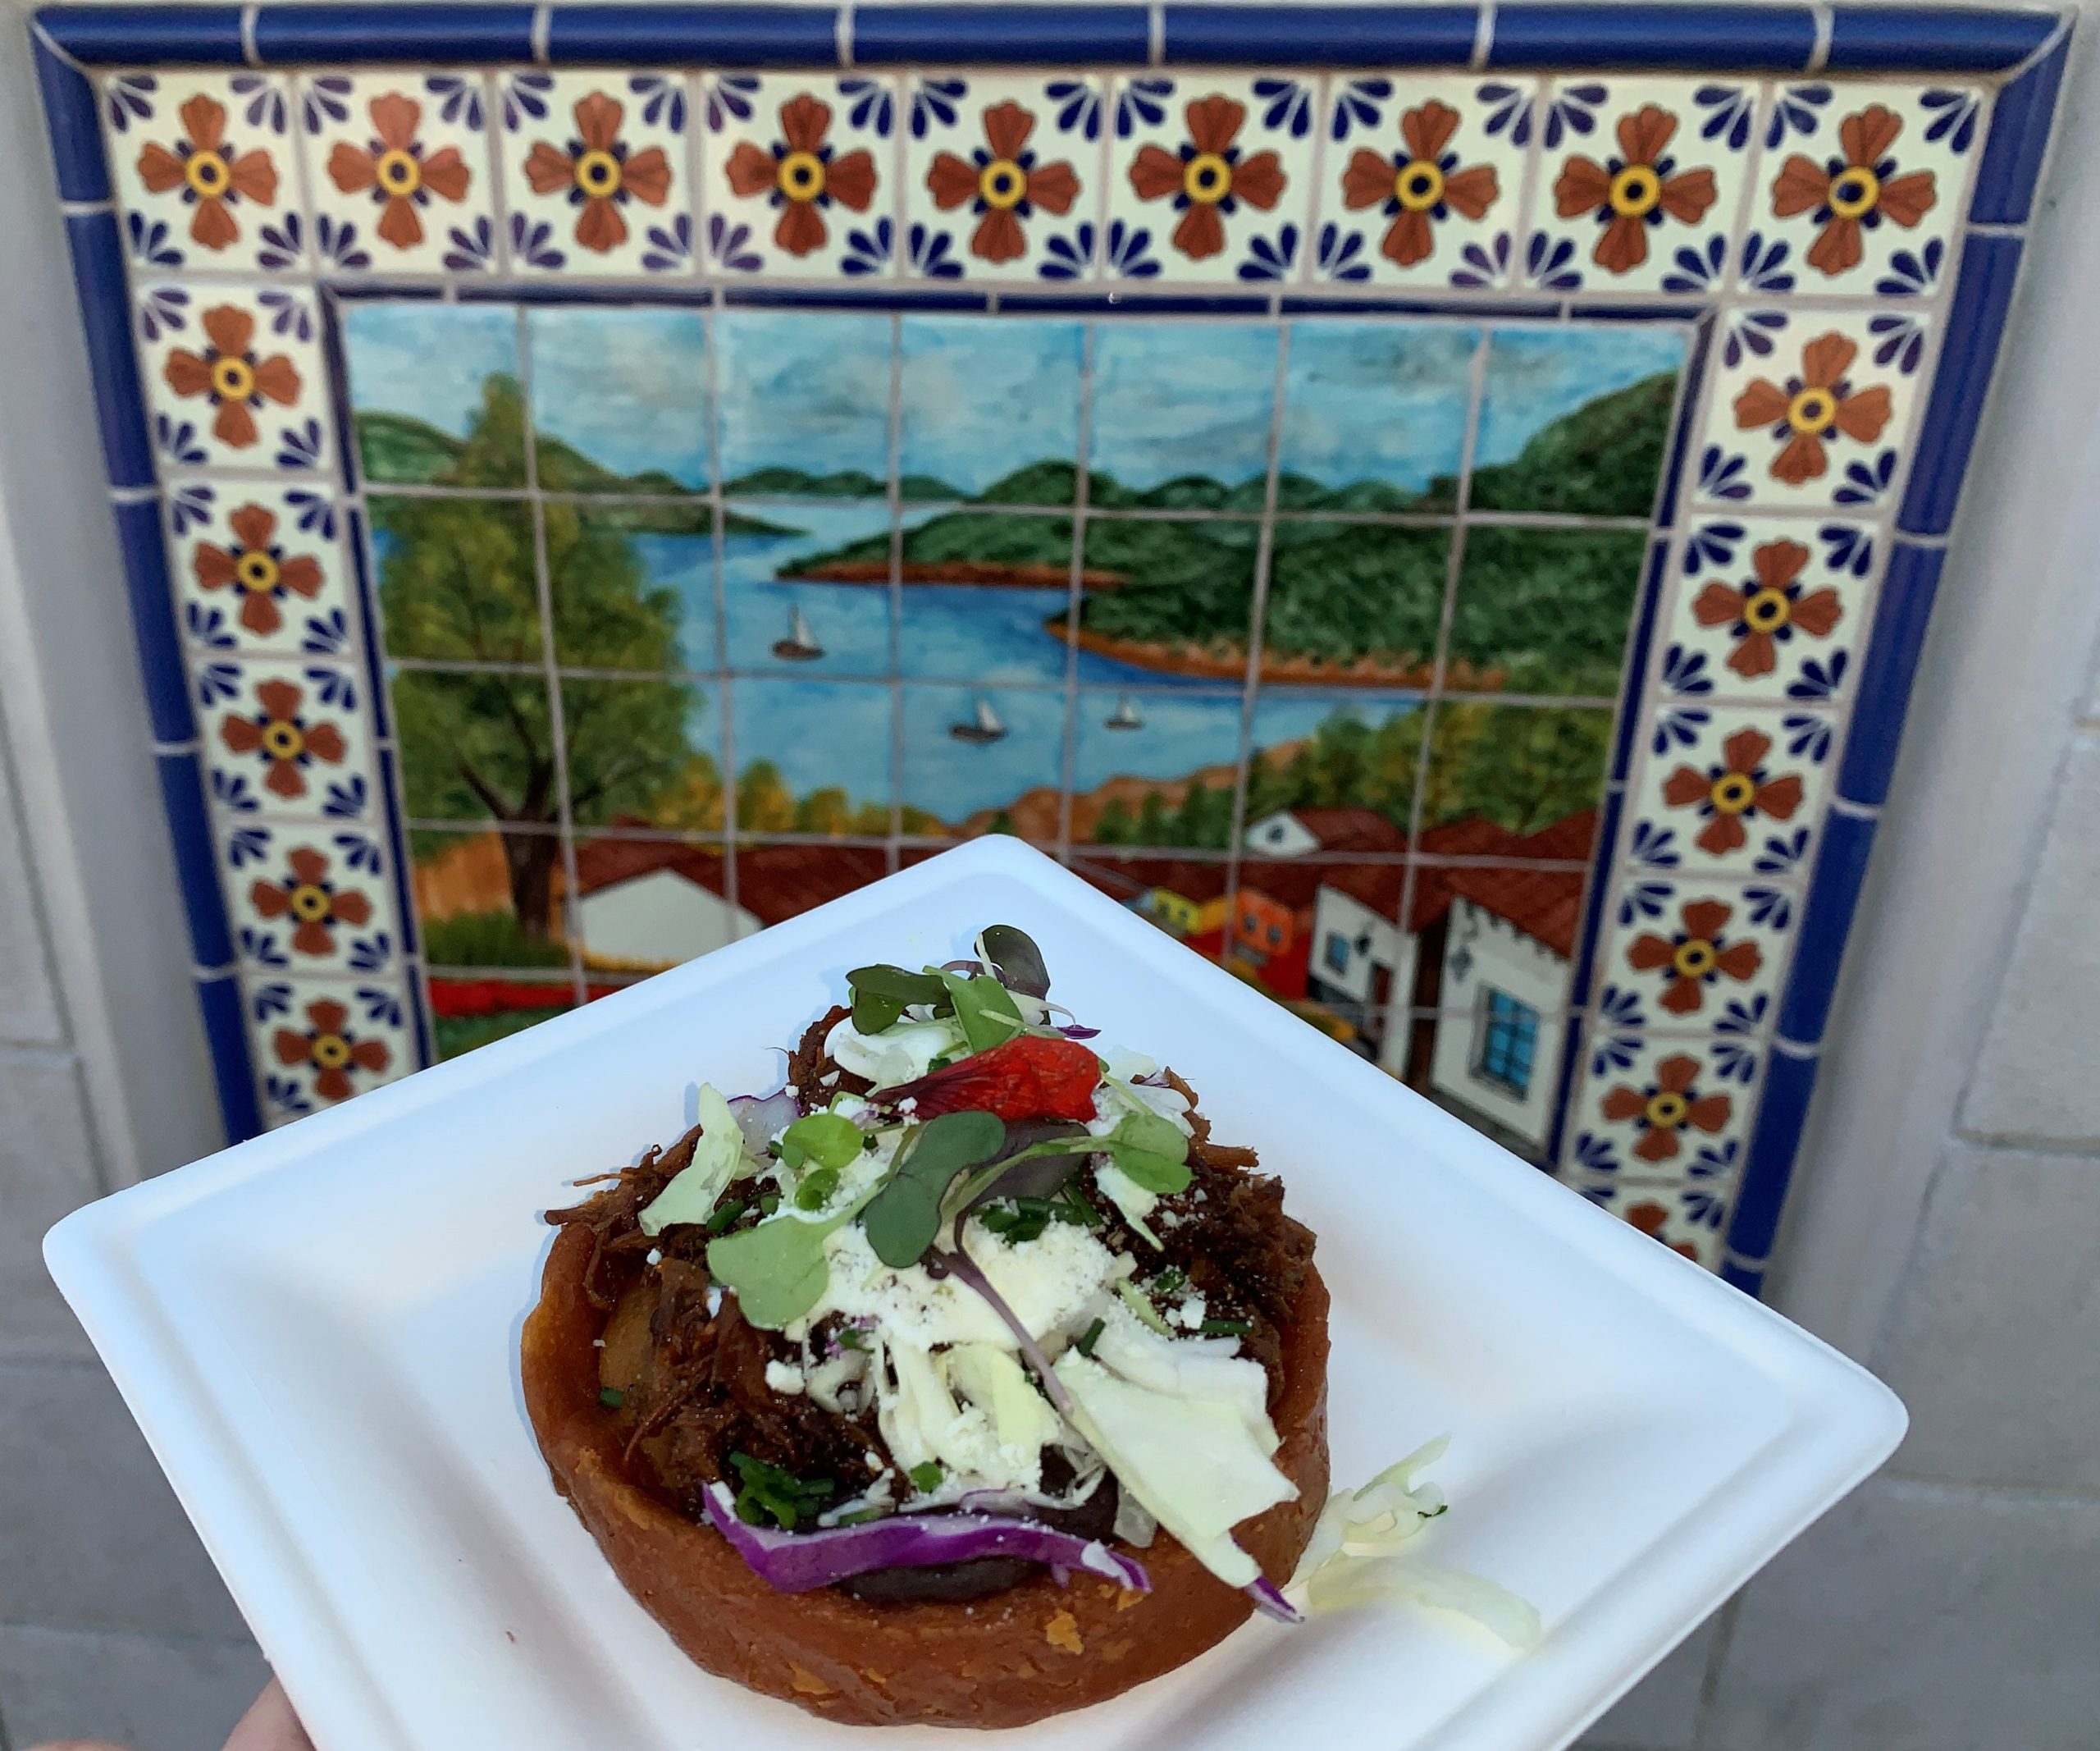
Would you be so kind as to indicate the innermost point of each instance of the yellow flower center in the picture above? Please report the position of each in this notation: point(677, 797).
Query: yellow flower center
point(1419, 185)
point(256, 573)
point(207, 175)
point(1666, 1111)
point(598, 174)
point(1854, 192)
point(1003, 183)
point(283, 741)
point(801, 176)
point(1694, 959)
point(1767, 611)
point(330, 1051)
point(309, 904)
point(232, 379)
point(1634, 189)
point(398, 173)
point(1812, 411)
point(1206, 178)
point(1733, 792)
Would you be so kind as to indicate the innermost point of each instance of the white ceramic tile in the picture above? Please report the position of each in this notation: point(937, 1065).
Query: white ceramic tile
point(317, 1043)
point(259, 567)
point(1208, 174)
point(312, 898)
point(1680, 954)
point(1742, 795)
point(1865, 182)
point(1640, 183)
point(1819, 419)
point(1687, 1216)
point(399, 166)
point(1003, 175)
point(594, 172)
point(234, 377)
point(286, 738)
point(1776, 610)
point(1421, 179)
point(799, 170)
point(1661, 1109)
point(206, 175)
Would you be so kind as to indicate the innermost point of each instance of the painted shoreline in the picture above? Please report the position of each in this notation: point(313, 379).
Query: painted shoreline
point(984, 573)
point(1208, 666)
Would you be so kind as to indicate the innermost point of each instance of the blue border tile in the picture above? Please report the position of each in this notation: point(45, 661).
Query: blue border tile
point(1634, 689)
point(714, 36)
point(1002, 35)
point(74, 124)
point(1490, 309)
point(1892, 38)
point(1833, 895)
point(106, 313)
point(1697, 357)
point(196, 858)
point(1603, 862)
point(1320, 35)
point(1976, 320)
point(1900, 619)
point(153, 629)
point(366, 585)
point(374, 35)
point(147, 35)
point(1760, 38)
point(397, 849)
point(1750, 1280)
point(1781, 1112)
point(2019, 135)
point(226, 1032)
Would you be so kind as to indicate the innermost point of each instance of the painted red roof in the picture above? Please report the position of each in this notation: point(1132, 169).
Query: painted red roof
point(1345, 830)
point(1546, 904)
point(773, 882)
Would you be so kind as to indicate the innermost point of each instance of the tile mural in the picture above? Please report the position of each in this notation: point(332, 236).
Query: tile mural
point(1417, 536)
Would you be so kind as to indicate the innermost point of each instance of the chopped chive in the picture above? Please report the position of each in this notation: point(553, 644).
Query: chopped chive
point(1170, 1279)
point(725, 1218)
point(612, 1397)
point(767, 1203)
point(1225, 1328)
point(850, 1338)
point(1092, 1336)
point(858, 1517)
point(869, 1142)
point(926, 1476)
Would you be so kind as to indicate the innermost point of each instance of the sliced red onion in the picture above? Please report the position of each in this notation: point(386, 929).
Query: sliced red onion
point(1268, 1599)
point(1080, 1033)
point(759, 1116)
point(800, 1561)
point(966, 1268)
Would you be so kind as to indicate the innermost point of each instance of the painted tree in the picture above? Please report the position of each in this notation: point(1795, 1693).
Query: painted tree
point(458, 584)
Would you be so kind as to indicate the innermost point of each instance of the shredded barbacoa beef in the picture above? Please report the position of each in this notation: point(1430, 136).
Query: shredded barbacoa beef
point(702, 1395)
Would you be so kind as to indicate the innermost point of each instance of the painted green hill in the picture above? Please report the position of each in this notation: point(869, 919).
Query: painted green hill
point(841, 483)
point(1603, 459)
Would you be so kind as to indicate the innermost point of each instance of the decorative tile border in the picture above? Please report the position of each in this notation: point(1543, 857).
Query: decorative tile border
point(1830, 237)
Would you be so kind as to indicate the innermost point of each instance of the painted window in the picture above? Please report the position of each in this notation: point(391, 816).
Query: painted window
point(1509, 1038)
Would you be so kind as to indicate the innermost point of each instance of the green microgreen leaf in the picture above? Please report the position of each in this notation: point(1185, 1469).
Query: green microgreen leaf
point(898, 985)
point(926, 1476)
point(778, 1270)
point(1152, 1150)
point(1018, 960)
point(818, 1186)
point(906, 1214)
point(769, 1490)
point(828, 1139)
point(872, 1014)
point(986, 1010)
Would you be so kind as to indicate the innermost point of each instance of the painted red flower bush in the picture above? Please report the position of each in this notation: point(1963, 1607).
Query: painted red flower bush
point(1739, 789)
point(1661, 1110)
point(286, 742)
point(1695, 955)
point(1808, 408)
point(257, 568)
point(394, 167)
point(213, 177)
point(1207, 176)
point(1003, 182)
point(313, 904)
point(1767, 611)
point(599, 173)
point(331, 1048)
point(231, 375)
point(1632, 193)
point(801, 176)
point(1854, 192)
point(1421, 186)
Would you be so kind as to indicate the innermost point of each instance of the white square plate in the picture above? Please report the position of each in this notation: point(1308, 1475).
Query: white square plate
point(318, 1331)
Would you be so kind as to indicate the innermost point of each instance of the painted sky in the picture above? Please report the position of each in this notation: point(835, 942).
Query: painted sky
point(628, 388)
point(428, 360)
point(1382, 402)
point(1176, 398)
point(1535, 375)
point(803, 389)
point(1182, 732)
point(818, 733)
point(984, 396)
point(954, 779)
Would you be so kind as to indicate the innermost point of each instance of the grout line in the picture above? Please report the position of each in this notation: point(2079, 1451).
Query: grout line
point(2046, 48)
point(843, 34)
point(1323, 101)
point(1082, 488)
point(719, 545)
point(1483, 38)
point(134, 495)
point(543, 19)
point(1794, 1048)
point(1858, 811)
point(50, 42)
point(85, 209)
point(893, 488)
point(248, 51)
point(1819, 54)
point(557, 722)
point(1155, 36)
point(1258, 614)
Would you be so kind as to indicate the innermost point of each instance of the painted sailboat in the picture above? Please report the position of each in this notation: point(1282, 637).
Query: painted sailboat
point(984, 726)
point(1125, 716)
point(799, 646)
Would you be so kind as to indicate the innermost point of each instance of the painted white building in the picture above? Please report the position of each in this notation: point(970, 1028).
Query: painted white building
point(659, 918)
point(1294, 833)
point(1360, 957)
